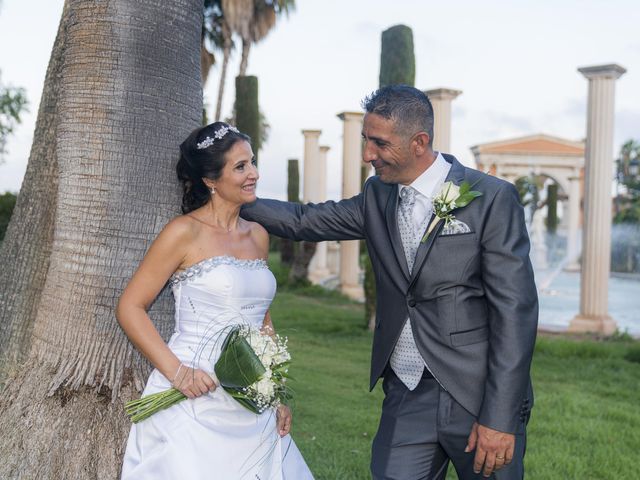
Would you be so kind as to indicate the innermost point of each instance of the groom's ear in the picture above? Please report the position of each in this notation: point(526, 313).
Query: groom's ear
point(420, 143)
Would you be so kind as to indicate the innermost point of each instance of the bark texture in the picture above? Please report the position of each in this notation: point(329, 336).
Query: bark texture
point(71, 435)
point(128, 92)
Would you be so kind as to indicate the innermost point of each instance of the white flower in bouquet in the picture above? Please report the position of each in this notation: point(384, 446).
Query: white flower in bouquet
point(281, 357)
point(265, 385)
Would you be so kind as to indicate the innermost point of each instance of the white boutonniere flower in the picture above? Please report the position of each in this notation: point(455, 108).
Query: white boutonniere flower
point(449, 198)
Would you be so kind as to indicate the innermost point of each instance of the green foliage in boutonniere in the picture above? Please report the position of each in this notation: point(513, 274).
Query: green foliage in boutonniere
point(449, 198)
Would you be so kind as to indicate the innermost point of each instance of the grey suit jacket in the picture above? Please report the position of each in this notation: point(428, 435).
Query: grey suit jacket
point(471, 297)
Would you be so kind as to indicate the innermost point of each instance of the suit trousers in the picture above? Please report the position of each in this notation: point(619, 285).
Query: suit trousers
point(422, 430)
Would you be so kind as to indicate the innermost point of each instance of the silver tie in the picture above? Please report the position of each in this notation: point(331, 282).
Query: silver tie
point(406, 361)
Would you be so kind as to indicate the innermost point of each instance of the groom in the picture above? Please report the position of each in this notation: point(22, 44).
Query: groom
point(457, 308)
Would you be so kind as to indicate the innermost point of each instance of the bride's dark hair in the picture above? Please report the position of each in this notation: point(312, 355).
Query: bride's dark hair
point(206, 161)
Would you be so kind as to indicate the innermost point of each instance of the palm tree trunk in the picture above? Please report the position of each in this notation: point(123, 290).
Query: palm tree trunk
point(300, 266)
point(130, 91)
point(244, 62)
point(226, 53)
point(207, 60)
point(24, 254)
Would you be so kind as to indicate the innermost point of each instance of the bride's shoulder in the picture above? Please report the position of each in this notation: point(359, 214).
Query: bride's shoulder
point(259, 234)
point(257, 230)
point(181, 228)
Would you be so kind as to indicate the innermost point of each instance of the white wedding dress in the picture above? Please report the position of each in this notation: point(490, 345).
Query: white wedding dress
point(212, 437)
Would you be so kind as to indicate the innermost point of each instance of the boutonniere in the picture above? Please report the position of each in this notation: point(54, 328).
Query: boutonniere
point(449, 198)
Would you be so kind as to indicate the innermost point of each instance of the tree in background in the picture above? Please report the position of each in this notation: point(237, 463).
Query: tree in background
point(251, 20)
point(628, 178)
point(218, 33)
point(12, 102)
point(7, 203)
point(625, 246)
point(529, 194)
point(100, 184)
point(288, 247)
point(397, 60)
point(552, 207)
point(247, 111)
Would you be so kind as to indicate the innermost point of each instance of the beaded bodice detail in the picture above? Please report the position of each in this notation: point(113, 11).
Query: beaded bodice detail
point(198, 269)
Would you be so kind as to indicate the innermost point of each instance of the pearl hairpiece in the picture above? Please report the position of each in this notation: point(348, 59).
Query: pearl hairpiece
point(217, 135)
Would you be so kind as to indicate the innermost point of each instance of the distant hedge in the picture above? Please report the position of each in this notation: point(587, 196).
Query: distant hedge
point(7, 203)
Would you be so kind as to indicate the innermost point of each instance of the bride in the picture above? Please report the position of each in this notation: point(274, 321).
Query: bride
point(215, 263)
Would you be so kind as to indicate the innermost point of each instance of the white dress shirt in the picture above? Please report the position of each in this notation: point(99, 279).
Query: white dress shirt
point(428, 185)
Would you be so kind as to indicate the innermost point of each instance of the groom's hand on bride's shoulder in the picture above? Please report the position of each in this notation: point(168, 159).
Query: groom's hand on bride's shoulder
point(283, 420)
point(494, 449)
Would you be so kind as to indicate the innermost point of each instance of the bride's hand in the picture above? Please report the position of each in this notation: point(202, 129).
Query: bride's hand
point(193, 382)
point(283, 420)
point(267, 330)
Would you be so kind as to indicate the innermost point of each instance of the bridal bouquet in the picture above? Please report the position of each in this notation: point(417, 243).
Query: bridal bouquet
point(252, 368)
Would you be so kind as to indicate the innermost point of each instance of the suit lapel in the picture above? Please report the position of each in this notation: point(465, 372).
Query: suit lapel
point(456, 175)
point(391, 214)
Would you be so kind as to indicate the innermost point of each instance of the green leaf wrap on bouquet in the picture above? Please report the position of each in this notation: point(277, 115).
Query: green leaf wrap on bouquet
point(238, 365)
point(239, 369)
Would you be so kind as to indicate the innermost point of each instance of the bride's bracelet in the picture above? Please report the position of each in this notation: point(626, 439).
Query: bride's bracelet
point(175, 377)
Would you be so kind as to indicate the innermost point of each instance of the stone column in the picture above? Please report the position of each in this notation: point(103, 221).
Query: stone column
point(351, 161)
point(573, 250)
point(441, 99)
point(538, 241)
point(596, 230)
point(333, 257)
point(318, 269)
point(312, 167)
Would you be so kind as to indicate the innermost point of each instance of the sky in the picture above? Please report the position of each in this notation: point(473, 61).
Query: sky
point(515, 61)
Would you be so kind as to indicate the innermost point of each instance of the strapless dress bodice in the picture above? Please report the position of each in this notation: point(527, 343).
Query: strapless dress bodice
point(211, 297)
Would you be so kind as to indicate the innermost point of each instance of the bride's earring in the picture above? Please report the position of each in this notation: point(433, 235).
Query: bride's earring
point(213, 191)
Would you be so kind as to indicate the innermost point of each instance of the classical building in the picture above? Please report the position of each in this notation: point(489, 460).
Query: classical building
point(556, 158)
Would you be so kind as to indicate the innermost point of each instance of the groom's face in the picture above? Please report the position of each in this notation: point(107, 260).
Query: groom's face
point(387, 150)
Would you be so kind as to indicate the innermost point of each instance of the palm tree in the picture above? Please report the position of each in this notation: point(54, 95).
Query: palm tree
point(100, 184)
point(218, 33)
point(251, 20)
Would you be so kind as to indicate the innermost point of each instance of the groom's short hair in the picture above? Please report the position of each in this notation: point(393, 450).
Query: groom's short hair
point(409, 109)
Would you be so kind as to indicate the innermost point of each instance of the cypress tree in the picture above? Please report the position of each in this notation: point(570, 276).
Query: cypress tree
point(247, 110)
point(397, 60)
point(303, 251)
point(287, 247)
point(552, 207)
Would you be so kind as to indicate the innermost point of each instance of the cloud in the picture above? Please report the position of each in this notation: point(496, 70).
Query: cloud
point(497, 125)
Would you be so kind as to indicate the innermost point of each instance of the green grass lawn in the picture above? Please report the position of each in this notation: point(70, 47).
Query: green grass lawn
point(585, 423)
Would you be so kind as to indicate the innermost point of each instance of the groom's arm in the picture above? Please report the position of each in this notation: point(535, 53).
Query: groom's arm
point(512, 308)
point(343, 220)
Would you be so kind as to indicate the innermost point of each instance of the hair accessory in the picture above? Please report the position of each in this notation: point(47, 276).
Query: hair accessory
point(217, 135)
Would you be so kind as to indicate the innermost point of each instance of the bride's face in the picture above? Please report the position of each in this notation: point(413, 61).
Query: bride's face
point(239, 177)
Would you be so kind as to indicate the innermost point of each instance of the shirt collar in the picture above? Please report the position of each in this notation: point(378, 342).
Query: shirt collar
point(431, 178)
